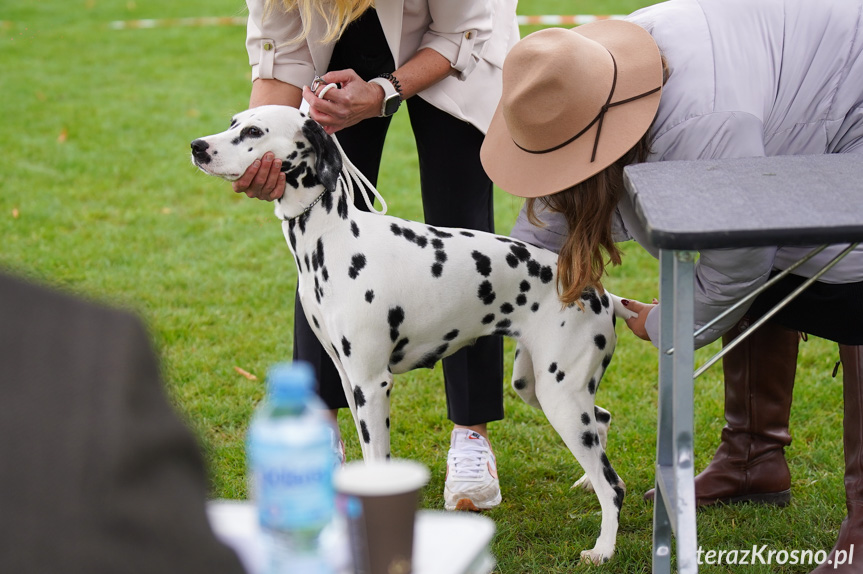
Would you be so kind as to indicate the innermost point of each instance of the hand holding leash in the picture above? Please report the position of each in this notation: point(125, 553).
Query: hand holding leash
point(349, 102)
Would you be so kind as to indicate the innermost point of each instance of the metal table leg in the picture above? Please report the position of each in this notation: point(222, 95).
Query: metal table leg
point(674, 504)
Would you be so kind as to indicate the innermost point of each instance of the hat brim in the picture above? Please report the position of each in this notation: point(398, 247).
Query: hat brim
point(639, 69)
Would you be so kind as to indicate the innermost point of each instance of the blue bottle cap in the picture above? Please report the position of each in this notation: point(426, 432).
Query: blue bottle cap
point(290, 381)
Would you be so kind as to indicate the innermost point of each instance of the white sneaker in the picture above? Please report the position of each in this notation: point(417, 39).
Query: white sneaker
point(471, 473)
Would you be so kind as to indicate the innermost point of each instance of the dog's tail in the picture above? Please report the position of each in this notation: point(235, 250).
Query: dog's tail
point(351, 176)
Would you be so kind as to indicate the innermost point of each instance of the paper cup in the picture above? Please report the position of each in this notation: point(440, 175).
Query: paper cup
point(379, 501)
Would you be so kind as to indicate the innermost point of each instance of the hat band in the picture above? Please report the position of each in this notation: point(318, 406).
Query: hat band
point(598, 119)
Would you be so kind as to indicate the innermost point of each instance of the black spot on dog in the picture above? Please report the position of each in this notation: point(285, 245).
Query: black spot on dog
point(591, 386)
point(318, 256)
point(396, 230)
point(355, 230)
point(388, 426)
point(370, 296)
point(346, 347)
point(451, 335)
point(585, 419)
point(466, 233)
point(292, 238)
point(429, 360)
point(512, 260)
point(534, 307)
point(606, 361)
point(601, 416)
point(384, 384)
point(365, 432)
point(436, 270)
point(520, 252)
point(560, 376)
point(552, 368)
point(325, 275)
point(315, 321)
point(398, 352)
point(395, 317)
point(437, 243)
point(604, 300)
point(599, 341)
point(506, 308)
point(546, 274)
point(483, 263)
point(438, 233)
point(306, 259)
point(524, 286)
point(342, 206)
point(486, 293)
point(309, 179)
point(488, 319)
point(595, 304)
point(327, 201)
point(589, 439)
point(293, 173)
point(440, 256)
point(520, 384)
point(619, 493)
point(359, 397)
point(358, 261)
point(533, 268)
point(503, 324)
point(609, 473)
point(521, 300)
point(504, 239)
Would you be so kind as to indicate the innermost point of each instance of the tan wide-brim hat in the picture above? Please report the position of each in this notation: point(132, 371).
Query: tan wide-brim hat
point(561, 89)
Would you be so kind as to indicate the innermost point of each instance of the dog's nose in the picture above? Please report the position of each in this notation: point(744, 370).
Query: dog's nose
point(199, 150)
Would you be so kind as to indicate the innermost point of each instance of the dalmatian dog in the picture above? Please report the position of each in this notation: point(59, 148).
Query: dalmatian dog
point(386, 295)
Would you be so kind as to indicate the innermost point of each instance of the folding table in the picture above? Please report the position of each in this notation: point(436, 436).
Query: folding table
point(687, 206)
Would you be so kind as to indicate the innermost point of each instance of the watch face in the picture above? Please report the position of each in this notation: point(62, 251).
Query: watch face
point(392, 104)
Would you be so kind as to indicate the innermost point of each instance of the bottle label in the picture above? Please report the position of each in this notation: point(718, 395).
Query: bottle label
point(293, 487)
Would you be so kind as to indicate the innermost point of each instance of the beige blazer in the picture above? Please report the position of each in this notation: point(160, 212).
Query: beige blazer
point(474, 36)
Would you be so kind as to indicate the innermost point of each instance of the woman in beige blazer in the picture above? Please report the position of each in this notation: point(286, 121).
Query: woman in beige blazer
point(444, 58)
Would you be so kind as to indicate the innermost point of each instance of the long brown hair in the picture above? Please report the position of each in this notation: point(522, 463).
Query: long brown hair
point(336, 13)
point(588, 208)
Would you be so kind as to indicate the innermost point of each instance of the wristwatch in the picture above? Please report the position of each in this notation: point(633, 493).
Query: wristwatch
point(392, 94)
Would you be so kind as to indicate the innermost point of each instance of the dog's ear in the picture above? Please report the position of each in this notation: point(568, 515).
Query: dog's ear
point(328, 162)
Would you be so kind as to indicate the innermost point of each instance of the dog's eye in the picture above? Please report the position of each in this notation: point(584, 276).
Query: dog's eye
point(252, 132)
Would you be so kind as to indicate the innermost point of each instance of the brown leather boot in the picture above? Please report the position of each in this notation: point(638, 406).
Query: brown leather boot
point(848, 550)
point(749, 465)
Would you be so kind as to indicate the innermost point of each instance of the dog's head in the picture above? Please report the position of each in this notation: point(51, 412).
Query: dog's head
point(309, 156)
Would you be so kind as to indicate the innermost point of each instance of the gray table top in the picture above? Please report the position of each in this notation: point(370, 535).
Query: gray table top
point(749, 202)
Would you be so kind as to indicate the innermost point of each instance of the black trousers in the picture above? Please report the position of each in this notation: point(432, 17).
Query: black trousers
point(456, 192)
point(827, 310)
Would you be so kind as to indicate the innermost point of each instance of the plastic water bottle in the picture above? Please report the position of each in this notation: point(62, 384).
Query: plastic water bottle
point(291, 461)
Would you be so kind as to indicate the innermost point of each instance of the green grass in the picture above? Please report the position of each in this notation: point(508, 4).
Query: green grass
point(97, 196)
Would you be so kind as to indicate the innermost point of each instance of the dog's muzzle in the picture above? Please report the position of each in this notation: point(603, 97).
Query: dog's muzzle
point(199, 151)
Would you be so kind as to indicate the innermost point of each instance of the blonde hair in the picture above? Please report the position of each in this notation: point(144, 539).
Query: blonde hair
point(336, 13)
point(588, 208)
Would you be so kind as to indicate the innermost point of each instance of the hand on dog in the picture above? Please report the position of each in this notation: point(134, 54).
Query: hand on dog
point(263, 179)
point(636, 324)
point(354, 102)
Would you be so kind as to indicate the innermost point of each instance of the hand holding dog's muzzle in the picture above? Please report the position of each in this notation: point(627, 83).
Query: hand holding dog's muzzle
point(263, 179)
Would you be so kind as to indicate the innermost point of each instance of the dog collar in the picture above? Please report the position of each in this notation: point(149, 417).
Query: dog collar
point(306, 210)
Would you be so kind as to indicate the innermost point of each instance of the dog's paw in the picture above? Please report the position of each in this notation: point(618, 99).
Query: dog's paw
point(595, 556)
point(583, 482)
